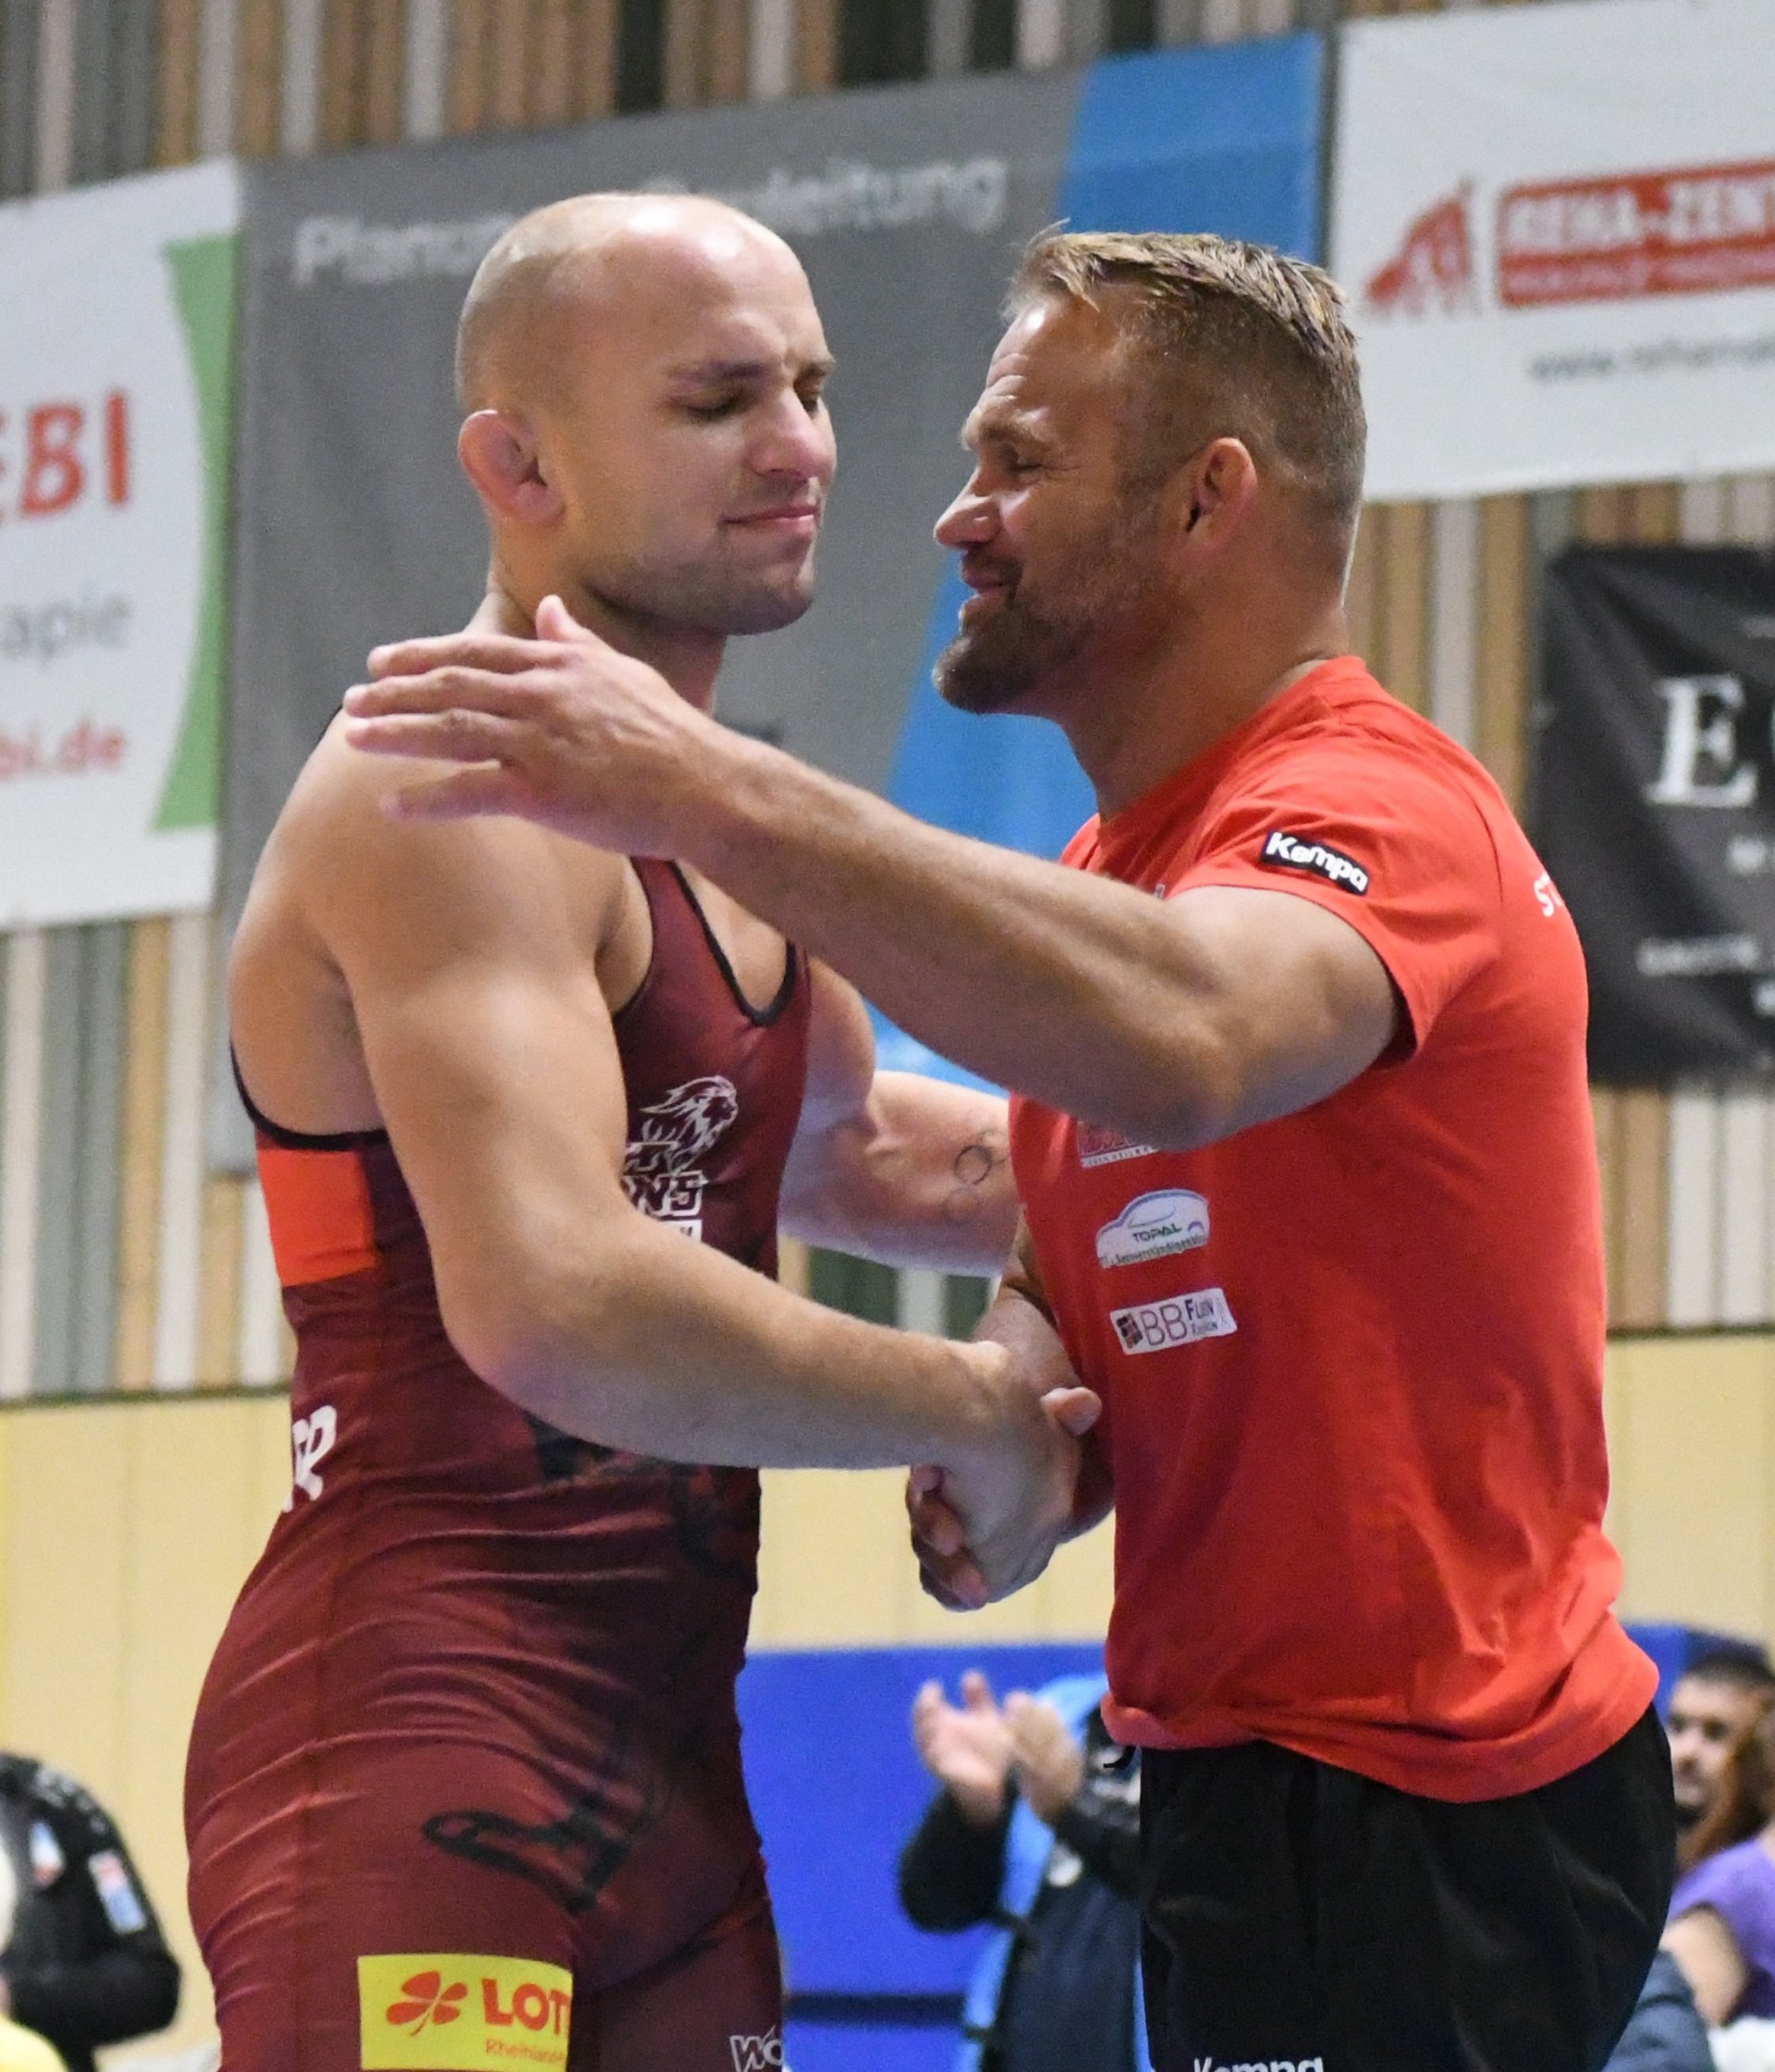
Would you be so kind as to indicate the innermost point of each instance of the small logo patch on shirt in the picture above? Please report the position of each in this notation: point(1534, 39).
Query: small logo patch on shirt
point(1153, 1227)
point(47, 1862)
point(118, 1893)
point(1159, 1327)
point(1100, 1147)
point(1283, 851)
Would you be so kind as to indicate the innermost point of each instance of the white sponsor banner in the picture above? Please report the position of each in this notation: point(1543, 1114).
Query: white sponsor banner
point(115, 378)
point(1557, 228)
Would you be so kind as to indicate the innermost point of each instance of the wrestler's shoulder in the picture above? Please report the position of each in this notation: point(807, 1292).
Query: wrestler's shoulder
point(336, 822)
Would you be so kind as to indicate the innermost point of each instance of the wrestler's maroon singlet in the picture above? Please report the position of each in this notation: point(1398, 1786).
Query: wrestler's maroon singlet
point(471, 1724)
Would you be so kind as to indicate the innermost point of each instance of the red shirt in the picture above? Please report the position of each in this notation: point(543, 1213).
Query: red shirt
point(1352, 1359)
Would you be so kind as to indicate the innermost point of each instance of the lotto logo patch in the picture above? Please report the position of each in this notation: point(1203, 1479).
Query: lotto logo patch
point(1289, 852)
point(429, 2013)
point(1157, 1327)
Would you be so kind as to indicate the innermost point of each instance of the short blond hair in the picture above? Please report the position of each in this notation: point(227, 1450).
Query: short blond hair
point(1238, 341)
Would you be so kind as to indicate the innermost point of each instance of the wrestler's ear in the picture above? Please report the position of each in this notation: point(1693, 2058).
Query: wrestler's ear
point(501, 458)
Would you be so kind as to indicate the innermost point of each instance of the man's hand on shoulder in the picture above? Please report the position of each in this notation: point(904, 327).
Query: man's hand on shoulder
point(562, 730)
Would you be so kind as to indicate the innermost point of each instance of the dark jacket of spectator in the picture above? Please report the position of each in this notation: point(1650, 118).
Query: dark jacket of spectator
point(86, 1963)
point(1068, 2001)
point(1665, 2033)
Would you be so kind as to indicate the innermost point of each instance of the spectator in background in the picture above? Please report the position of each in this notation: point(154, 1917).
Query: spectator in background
point(1722, 1913)
point(1718, 1699)
point(85, 1962)
point(1037, 1830)
point(22, 2050)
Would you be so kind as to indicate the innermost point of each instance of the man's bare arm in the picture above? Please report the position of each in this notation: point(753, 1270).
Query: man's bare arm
point(1177, 1022)
point(888, 1165)
point(490, 1048)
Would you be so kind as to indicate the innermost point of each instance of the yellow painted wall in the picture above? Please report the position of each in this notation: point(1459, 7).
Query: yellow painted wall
point(127, 1525)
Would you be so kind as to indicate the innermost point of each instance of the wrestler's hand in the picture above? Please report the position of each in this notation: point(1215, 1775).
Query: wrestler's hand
point(562, 730)
point(988, 1522)
point(939, 1536)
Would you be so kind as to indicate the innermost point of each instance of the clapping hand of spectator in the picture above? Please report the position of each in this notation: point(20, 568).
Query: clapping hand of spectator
point(1045, 1758)
point(966, 1748)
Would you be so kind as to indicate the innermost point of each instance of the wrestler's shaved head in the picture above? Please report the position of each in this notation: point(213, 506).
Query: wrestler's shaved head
point(642, 377)
point(588, 259)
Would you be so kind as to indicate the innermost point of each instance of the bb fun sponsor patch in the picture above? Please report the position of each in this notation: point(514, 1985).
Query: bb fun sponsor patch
point(1283, 851)
point(1153, 1226)
point(1174, 1320)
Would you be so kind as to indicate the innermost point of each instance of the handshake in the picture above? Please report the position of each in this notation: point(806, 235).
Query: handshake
point(987, 1523)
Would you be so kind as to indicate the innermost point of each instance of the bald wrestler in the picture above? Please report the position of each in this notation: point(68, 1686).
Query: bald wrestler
point(464, 1788)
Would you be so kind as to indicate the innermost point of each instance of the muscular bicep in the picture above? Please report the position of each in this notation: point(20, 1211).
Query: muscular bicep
point(490, 1049)
point(1288, 1003)
point(891, 1165)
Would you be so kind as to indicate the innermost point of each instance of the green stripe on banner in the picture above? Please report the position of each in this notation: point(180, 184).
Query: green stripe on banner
point(203, 278)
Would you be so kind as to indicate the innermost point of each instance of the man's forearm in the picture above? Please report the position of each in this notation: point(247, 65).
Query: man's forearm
point(1040, 979)
point(920, 1178)
point(657, 1345)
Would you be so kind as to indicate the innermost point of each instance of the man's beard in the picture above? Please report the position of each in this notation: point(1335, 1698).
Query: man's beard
point(1021, 645)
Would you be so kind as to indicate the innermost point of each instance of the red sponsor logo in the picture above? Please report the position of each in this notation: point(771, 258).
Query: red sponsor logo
point(57, 455)
point(1695, 231)
point(426, 1999)
point(1434, 267)
point(86, 745)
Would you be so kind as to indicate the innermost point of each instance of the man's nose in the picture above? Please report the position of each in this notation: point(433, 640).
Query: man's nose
point(969, 520)
point(797, 443)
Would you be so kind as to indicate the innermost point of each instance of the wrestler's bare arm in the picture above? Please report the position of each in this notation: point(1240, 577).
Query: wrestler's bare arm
point(1178, 1021)
point(890, 1165)
point(494, 1067)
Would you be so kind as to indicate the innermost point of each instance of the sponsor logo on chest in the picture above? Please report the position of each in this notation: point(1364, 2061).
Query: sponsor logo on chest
point(1099, 1146)
point(1153, 1227)
point(1174, 1320)
point(665, 1164)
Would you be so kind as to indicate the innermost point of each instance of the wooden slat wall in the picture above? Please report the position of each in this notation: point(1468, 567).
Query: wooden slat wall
point(122, 1264)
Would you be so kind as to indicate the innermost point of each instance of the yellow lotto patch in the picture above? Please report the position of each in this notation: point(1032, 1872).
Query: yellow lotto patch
point(462, 2014)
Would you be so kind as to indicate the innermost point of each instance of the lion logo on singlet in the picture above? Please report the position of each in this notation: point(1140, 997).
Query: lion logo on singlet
point(664, 1169)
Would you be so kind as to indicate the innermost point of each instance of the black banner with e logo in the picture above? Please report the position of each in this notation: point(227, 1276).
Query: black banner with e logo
point(1654, 800)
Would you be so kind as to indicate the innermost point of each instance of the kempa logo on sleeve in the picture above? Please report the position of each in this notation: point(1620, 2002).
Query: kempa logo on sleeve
point(1153, 1227)
point(1286, 851)
point(431, 2013)
point(1159, 1327)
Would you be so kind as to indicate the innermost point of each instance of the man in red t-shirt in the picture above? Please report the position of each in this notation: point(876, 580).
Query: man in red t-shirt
point(1303, 1145)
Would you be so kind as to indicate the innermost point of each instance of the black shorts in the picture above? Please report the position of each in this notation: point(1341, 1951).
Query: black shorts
point(1303, 1919)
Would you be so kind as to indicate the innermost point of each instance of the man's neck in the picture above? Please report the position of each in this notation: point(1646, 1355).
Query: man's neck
point(688, 659)
point(1183, 702)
